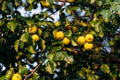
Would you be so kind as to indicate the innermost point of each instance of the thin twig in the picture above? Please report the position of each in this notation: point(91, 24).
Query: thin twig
point(33, 71)
point(56, 10)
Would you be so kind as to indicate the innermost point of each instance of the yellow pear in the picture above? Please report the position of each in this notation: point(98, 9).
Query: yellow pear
point(89, 38)
point(33, 29)
point(45, 3)
point(88, 46)
point(70, 0)
point(81, 40)
point(35, 37)
point(16, 76)
point(66, 41)
point(59, 35)
point(57, 24)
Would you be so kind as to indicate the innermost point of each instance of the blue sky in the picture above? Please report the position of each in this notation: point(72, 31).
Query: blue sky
point(25, 13)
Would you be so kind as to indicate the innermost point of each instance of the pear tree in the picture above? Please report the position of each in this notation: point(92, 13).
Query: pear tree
point(59, 39)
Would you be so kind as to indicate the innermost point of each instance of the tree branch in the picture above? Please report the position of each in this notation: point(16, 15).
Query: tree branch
point(35, 69)
point(110, 59)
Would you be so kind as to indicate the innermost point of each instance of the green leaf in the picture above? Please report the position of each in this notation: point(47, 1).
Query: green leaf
point(12, 25)
point(30, 1)
point(51, 56)
point(119, 74)
point(43, 44)
point(10, 6)
point(23, 70)
point(29, 8)
point(69, 11)
point(1, 1)
point(3, 78)
point(68, 33)
point(73, 42)
point(92, 77)
point(22, 45)
point(40, 31)
point(74, 8)
point(93, 22)
point(115, 7)
point(58, 43)
point(45, 23)
point(29, 22)
point(56, 48)
point(99, 3)
point(93, 33)
point(9, 73)
point(117, 1)
point(49, 67)
point(4, 6)
point(19, 54)
point(82, 73)
point(31, 49)
point(101, 34)
point(24, 37)
point(105, 68)
point(46, 34)
point(16, 45)
point(39, 23)
point(51, 1)
point(114, 74)
point(59, 56)
point(35, 76)
point(68, 58)
point(97, 27)
point(92, 1)
point(106, 15)
point(1, 22)
point(17, 2)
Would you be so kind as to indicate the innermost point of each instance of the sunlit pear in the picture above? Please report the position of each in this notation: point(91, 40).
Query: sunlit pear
point(57, 24)
point(35, 37)
point(89, 38)
point(88, 46)
point(71, 0)
point(59, 35)
point(45, 3)
point(33, 29)
point(81, 40)
point(16, 76)
point(66, 40)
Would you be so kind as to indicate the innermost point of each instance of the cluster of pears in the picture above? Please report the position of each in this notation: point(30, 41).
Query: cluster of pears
point(86, 41)
point(33, 31)
point(59, 35)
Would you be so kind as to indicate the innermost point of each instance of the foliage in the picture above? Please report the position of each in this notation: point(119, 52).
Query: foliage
point(47, 58)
